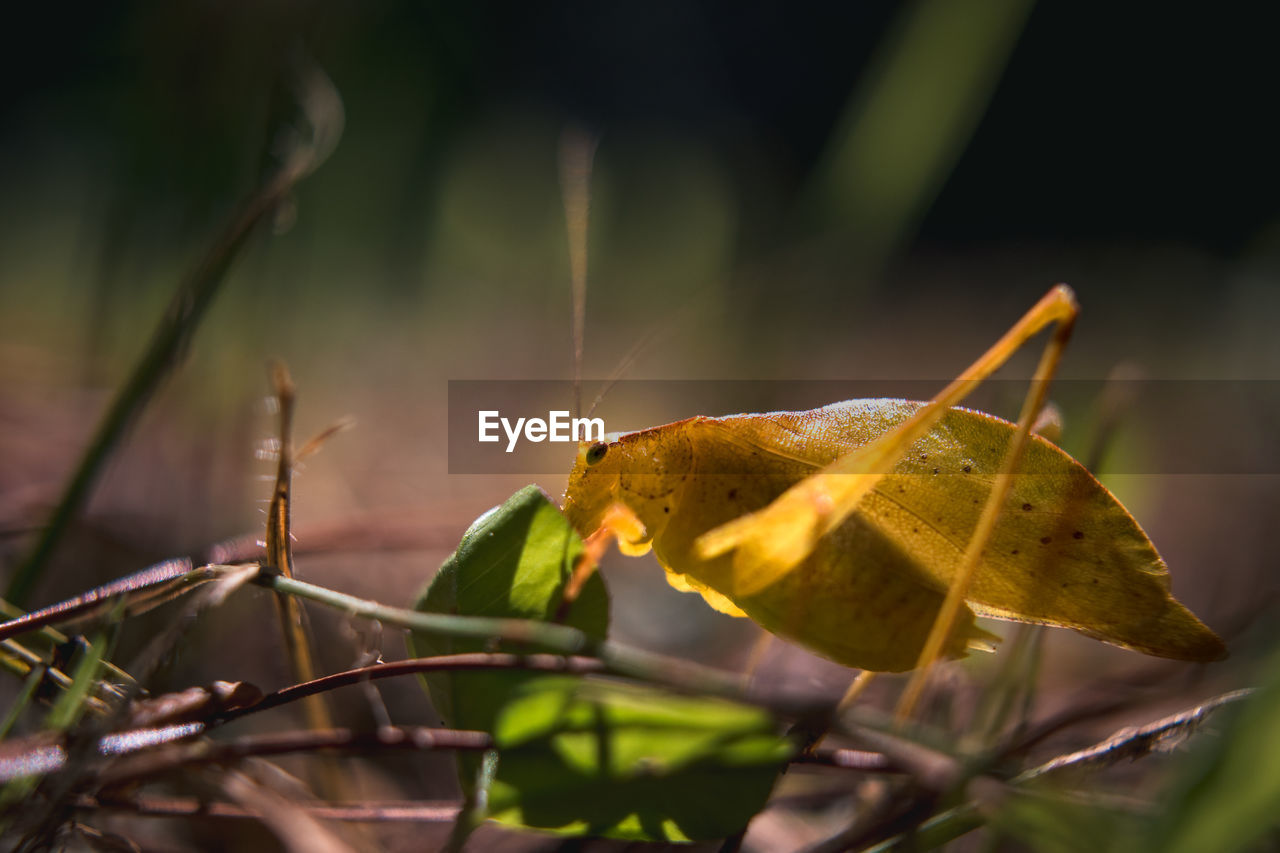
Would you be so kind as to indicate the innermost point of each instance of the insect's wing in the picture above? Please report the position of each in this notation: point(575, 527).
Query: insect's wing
point(851, 445)
point(1065, 552)
point(858, 598)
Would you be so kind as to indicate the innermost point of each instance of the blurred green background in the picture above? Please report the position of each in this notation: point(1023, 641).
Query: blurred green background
point(808, 191)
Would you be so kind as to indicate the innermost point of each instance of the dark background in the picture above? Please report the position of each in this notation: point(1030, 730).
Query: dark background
point(1127, 150)
point(1110, 121)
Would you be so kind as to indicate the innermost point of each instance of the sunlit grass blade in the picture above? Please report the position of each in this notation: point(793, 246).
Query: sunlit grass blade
point(172, 337)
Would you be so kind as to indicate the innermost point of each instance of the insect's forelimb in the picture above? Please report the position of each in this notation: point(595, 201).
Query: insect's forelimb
point(619, 522)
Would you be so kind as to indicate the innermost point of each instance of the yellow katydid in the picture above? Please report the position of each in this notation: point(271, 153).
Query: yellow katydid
point(873, 531)
point(847, 528)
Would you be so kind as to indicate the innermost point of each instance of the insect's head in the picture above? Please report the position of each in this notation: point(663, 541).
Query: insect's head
point(593, 482)
point(643, 470)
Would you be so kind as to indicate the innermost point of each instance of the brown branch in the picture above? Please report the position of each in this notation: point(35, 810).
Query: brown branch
point(848, 759)
point(146, 766)
point(1042, 730)
point(1132, 743)
point(572, 665)
point(152, 580)
point(372, 812)
point(382, 530)
point(851, 759)
point(1136, 742)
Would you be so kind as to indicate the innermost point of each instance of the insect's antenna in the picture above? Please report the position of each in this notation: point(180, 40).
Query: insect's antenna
point(655, 333)
point(577, 150)
point(633, 355)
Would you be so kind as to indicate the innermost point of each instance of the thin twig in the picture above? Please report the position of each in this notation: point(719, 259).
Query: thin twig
point(1104, 706)
point(176, 572)
point(468, 661)
point(1136, 742)
point(148, 765)
point(847, 759)
point(294, 625)
point(562, 639)
point(852, 759)
point(371, 812)
point(1132, 743)
point(381, 530)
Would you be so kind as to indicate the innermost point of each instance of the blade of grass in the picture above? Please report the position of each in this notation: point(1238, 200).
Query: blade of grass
point(21, 661)
point(22, 700)
point(54, 638)
point(66, 711)
point(169, 342)
point(71, 704)
point(908, 124)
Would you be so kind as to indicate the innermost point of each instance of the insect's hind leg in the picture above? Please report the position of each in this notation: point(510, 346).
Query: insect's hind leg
point(1058, 307)
point(771, 542)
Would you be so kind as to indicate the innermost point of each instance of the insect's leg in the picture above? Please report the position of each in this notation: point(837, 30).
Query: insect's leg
point(856, 689)
point(774, 540)
point(620, 523)
point(1031, 408)
point(809, 733)
point(756, 656)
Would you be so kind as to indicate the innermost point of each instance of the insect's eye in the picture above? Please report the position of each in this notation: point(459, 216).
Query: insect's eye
point(596, 452)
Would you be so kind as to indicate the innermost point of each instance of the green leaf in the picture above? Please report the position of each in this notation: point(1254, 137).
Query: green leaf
point(513, 562)
point(610, 759)
point(584, 757)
